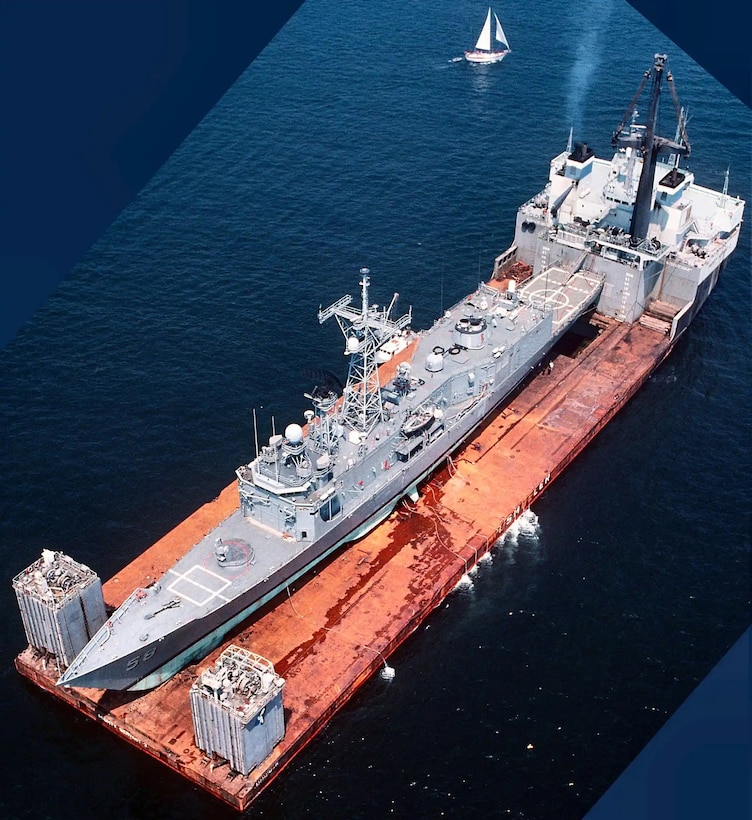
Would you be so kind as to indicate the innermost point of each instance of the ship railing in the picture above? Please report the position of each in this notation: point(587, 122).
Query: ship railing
point(536, 203)
point(268, 472)
point(270, 478)
point(689, 261)
point(339, 305)
point(686, 264)
point(244, 474)
point(571, 236)
point(580, 235)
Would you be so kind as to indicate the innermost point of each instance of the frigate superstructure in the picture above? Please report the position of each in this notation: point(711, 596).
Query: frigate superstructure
point(634, 238)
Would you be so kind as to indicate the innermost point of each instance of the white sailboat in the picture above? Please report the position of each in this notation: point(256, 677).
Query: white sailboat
point(484, 52)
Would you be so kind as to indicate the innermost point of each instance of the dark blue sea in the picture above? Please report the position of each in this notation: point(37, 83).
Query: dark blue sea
point(357, 138)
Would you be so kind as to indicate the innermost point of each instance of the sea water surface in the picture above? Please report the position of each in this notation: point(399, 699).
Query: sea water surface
point(359, 138)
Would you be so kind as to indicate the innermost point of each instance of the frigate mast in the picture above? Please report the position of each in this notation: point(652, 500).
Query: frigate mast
point(365, 330)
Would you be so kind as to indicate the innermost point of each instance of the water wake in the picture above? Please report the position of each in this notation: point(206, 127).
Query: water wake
point(387, 672)
point(527, 528)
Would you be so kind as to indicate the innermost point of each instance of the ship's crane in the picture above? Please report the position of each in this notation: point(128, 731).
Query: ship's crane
point(649, 144)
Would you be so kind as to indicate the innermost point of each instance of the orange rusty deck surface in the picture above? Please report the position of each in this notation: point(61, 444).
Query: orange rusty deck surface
point(328, 636)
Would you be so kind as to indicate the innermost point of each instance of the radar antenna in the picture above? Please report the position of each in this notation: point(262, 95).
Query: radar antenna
point(365, 330)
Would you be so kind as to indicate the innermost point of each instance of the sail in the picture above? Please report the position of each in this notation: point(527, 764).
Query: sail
point(500, 36)
point(484, 40)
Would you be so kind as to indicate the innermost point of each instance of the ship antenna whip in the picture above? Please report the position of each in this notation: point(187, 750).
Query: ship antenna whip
point(276, 461)
point(255, 432)
point(441, 290)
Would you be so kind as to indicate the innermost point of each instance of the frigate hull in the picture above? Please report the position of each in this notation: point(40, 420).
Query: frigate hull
point(152, 659)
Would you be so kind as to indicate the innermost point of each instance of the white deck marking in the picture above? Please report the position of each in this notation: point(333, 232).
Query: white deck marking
point(182, 577)
point(563, 302)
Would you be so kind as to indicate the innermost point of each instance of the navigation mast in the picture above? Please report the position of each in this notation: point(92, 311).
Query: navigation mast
point(365, 331)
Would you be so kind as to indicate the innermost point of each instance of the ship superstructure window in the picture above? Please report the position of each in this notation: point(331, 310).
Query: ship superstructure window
point(330, 508)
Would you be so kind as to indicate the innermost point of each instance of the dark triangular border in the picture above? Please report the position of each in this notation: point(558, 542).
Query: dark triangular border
point(94, 98)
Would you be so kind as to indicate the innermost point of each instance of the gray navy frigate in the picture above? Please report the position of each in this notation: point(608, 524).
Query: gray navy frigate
point(634, 237)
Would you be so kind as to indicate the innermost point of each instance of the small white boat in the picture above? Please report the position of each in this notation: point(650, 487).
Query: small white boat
point(484, 52)
point(418, 421)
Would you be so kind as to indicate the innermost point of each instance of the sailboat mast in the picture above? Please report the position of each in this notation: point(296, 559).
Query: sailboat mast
point(486, 49)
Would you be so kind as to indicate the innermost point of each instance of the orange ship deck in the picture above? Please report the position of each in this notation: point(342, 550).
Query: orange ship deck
point(334, 632)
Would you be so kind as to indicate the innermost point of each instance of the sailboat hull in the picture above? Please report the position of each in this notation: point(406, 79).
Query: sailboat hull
point(485, 56)
point(489, 49)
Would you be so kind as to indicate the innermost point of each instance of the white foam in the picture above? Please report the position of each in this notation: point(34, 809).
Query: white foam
point(526, 526)
point(387, 672)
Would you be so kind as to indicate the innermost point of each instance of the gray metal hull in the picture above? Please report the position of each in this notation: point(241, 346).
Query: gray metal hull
point(157, 660)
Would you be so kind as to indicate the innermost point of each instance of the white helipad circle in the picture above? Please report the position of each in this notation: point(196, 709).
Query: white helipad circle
point(556, 298)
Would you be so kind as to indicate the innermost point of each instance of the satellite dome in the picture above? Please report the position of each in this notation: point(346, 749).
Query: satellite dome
point(352, 344)
point(434, 362)
point(294, 433)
